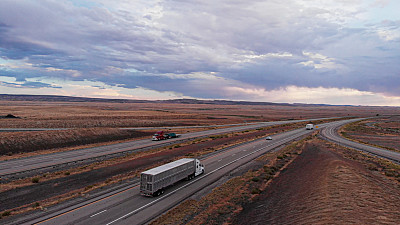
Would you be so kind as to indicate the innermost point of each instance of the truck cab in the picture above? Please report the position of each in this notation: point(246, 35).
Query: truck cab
point(310, 126)
point(159, 135)
point(199, 168)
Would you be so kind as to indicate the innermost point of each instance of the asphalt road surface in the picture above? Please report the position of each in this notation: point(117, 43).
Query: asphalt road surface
point(127, 206)
point(330, 133)
point(48, 160)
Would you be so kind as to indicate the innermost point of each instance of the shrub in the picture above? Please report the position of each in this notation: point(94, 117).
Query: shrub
point(35, 180)
point(255, 179)
point(89, 187)
point(6, 213)
point(390, 173)
point(268, 177)
point(36, 204)
point(372, 166)
point(256, 191)
point(67, 173)
point(282, 156)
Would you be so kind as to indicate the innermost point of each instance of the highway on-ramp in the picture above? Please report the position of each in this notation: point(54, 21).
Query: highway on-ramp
point(49, 160)
point(127, 206)
point(330, 133)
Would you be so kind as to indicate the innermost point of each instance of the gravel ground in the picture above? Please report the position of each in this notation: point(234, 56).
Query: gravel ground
point(322, 187)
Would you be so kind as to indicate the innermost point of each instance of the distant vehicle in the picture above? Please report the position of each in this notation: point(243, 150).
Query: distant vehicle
point(268, 138)
point(161, 135)
point(310, 126)
point(154, 181)
point(172, 135)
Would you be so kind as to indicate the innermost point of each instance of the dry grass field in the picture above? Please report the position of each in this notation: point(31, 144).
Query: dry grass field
point(382, 132)
point(95, 114)
point(48, 189)
point(96, 122)
point(309, 182)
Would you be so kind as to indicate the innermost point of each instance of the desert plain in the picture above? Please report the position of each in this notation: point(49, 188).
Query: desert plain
point(310, 181)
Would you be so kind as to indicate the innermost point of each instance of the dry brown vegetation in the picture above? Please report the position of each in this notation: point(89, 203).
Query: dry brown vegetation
point(90, 114)
point(96, 123)
point(228, 199)
point(93, 122)
point(97, 175)
point(381, 132)
point(20, 142)
point(325, 184)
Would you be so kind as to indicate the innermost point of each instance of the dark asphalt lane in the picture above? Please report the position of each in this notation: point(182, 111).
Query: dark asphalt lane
point(48, 160)
point(129, 207)
point(330, 133)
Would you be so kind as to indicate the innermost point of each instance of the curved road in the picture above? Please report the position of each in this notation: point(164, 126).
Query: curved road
point(48, 160)
point(127, 206)
point(330, 133)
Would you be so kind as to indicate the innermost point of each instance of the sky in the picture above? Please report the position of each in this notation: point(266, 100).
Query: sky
point(342, 52)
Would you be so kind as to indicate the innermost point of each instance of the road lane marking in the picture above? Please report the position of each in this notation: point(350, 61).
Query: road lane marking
point(98, 213)
point(277, 143)
point(205, 175)
point(73, 210)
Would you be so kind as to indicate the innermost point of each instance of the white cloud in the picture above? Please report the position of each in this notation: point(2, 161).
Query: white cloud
point(83, 89)
point(320, 61)
point(389, 35)
point(320, 95)
point(197, 48)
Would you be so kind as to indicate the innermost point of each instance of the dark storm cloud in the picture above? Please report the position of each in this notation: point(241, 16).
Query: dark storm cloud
point(262, 44)
point(28, 84)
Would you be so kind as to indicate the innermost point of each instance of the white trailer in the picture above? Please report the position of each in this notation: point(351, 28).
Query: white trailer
point(310, 126)
point(154, 181)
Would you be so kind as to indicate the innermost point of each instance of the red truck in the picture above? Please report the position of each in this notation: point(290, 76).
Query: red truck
point(161, 135)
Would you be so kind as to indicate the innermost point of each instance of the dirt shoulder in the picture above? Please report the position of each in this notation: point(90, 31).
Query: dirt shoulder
point(308, 182)
point(381, 132)
point(100, 174)
point(322, 187)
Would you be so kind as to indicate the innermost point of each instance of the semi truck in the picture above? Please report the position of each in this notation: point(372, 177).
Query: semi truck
point(310, 126)
point(153, 182)
point(161, 135)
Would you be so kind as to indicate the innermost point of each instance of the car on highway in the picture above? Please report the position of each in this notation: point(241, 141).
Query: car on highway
point(268, 138)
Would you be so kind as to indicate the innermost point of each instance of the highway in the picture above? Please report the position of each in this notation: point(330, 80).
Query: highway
point(131, 128)
point(330, 133)
point(127, 206)
point(49, 160)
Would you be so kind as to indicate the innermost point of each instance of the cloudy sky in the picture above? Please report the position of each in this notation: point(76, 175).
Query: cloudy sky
point(294, 51)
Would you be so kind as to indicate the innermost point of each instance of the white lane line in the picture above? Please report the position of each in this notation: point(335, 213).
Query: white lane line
point(205, 175)
point(233, 154)
point(220, 160)
point(98, 213)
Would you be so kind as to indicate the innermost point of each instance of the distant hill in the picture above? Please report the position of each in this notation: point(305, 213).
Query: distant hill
point(59, 98)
